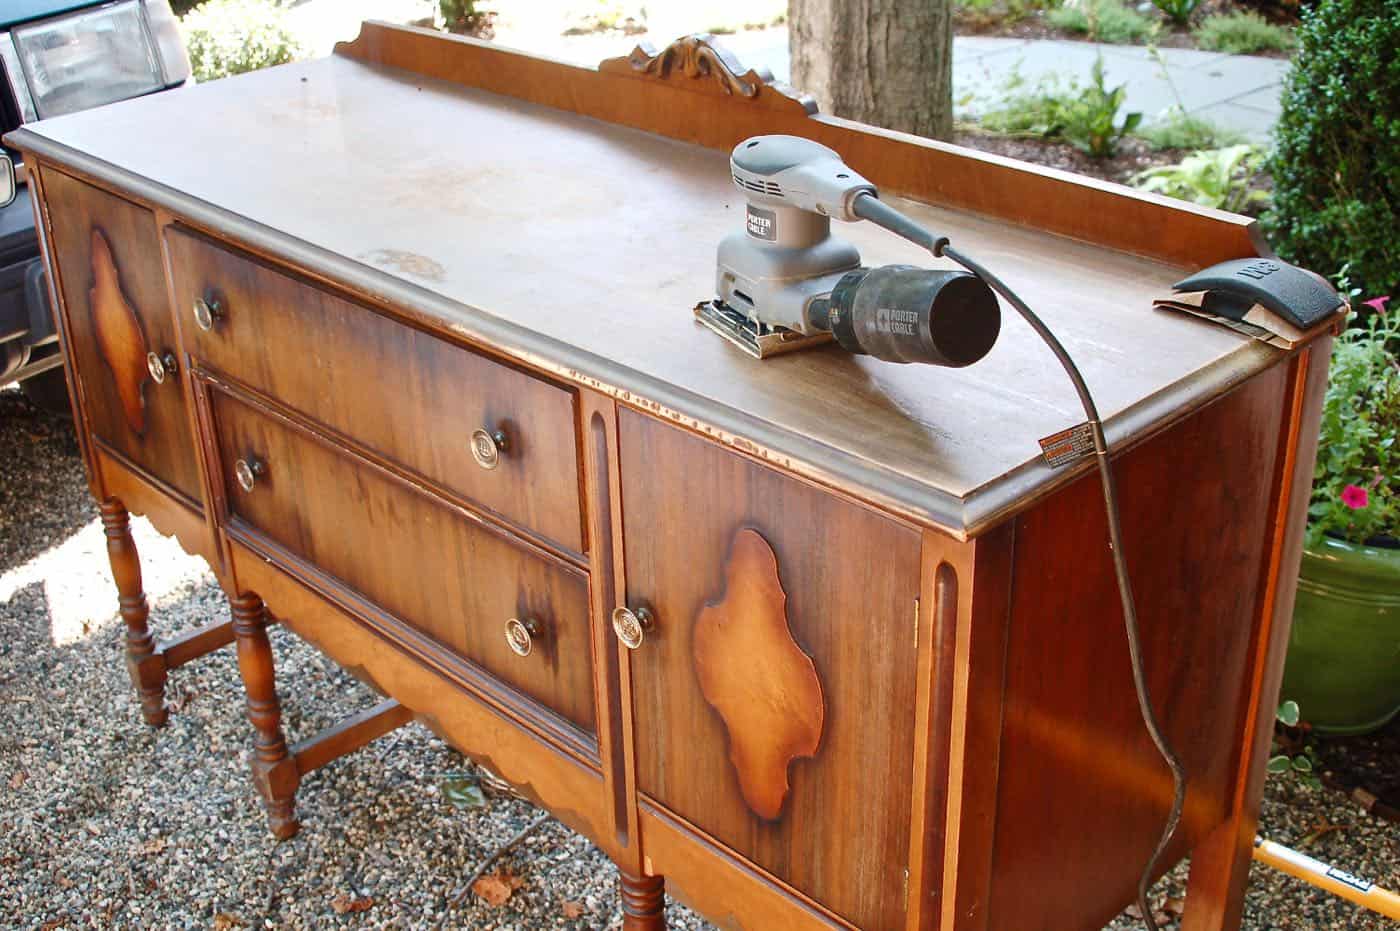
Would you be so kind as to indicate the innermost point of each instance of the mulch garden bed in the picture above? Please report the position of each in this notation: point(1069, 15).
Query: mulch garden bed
point(1134, 154)
point(1002, 20)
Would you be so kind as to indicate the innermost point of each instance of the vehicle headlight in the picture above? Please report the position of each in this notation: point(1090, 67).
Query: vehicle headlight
point(94, 57)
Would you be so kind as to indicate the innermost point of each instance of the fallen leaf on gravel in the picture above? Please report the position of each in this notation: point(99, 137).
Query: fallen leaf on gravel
point(53, 923)
point(155, 845)
point(572, 909)
point(223, 921)
point(17, 779)
point(496, 888)
point(64, 881)
point(343, 903)
point(462, 790)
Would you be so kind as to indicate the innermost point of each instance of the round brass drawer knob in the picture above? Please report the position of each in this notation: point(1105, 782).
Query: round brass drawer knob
point(520, 635)
point(631, 626)
point(207, 312)
point(248, 471)
point(161, 366)
point(487, 447)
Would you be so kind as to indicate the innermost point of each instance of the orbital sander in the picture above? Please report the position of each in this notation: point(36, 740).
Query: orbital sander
point(786, 283)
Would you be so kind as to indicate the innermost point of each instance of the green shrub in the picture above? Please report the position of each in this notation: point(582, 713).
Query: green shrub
point(1103, 21)
point(1178, 11)
point(233, 36)
point(1242, 34)
point(181, 7)
point(1214, 178)
point(1180, 130)
point(1085, 117)
point(1336, 162)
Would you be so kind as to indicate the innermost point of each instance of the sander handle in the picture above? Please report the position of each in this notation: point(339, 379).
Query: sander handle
point(868, 206)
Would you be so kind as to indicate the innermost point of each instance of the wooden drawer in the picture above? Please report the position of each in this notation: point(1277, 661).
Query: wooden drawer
point(435, 567)
point(113, 289)
point(411, 398)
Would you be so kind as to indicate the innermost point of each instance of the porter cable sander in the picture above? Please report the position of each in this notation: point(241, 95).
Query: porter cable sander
point(786, 283)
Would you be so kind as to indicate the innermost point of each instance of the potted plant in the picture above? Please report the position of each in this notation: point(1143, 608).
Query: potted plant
point(1343, 665)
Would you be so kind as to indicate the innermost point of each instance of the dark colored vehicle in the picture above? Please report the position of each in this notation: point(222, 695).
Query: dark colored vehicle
point(57, 57)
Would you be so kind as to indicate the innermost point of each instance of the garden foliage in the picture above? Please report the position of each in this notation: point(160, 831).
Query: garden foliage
point(1356, 489)
point(1178, 130)
point(1178, 11)
point(226, 37)
point(1242, 33)
point(1103, 21)
point(1213, 178)
point(1336, 163)
point(1085, 117)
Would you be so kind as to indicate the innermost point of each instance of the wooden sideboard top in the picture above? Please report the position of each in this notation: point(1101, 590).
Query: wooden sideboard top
point(579, 246)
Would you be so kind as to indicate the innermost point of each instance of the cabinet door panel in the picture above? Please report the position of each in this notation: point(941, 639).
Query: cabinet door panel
point(113, 285)
point(774, 696)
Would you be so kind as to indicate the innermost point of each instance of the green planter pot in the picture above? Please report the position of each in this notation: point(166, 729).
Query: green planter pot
point(1343, 666)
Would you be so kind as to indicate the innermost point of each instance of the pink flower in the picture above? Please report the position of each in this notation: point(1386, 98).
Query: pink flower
point(1355, 497)
point(1379, 304)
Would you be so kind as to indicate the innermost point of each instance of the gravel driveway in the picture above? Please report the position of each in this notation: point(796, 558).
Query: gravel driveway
point(107, 823)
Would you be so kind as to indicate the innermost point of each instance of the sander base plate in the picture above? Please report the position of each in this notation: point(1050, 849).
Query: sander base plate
point(757, 339)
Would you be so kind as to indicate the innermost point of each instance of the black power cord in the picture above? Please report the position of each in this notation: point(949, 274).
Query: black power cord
point(869, 207)
point(1120, 565)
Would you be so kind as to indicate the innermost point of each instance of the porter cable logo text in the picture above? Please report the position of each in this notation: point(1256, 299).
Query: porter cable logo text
point(763, 224)
point(899, 322)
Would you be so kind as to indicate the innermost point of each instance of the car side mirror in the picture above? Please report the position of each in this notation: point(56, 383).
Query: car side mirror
point(7, 181)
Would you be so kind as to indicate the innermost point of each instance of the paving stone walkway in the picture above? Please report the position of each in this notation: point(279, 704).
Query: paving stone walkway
point(1240, 92)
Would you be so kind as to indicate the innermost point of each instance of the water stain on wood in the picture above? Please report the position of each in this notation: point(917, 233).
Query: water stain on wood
point(408, 263)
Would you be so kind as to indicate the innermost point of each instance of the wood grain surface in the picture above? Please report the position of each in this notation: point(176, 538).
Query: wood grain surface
point(113, 287)
point(452, 578)
point(1082, 789)
point(494, 200)
point(572, 791)
point(844, 828)
point(119, 336)
point(754, 675)
point(412, 399)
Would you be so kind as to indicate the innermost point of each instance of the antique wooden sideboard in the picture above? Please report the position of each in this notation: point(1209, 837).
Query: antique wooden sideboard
point(400, 341)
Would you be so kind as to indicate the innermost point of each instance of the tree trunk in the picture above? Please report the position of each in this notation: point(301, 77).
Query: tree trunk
point(884, 62)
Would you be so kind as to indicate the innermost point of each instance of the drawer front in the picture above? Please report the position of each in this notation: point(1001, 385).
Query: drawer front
point(109, 270)
point(411, 398)
point(435, 567)
point(774, 694)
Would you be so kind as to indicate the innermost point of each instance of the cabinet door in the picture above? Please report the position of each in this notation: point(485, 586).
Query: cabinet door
point(113, 286)
point(774, 694)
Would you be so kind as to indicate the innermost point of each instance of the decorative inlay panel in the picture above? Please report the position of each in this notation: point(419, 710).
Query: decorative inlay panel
point(754, 674)
point(119, 335)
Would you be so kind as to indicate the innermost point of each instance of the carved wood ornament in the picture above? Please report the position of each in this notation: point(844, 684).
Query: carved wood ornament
point(119, 336)
point(754, 674)
point(698, 56)
point(701, 56)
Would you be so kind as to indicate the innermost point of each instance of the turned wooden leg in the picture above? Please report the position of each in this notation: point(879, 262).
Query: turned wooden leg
point(146, 666)
point(274, 769)
point(643, 902)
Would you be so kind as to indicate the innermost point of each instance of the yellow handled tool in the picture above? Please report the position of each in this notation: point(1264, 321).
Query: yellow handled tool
point(1335, 881)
